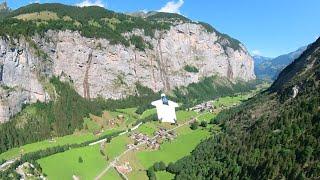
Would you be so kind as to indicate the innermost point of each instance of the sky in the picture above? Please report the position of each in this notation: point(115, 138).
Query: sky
point(266, 27)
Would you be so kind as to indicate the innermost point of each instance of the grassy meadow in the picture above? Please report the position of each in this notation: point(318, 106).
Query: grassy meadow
point(66, 165)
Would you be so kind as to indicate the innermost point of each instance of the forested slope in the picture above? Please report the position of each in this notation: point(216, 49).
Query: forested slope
point(271, 136)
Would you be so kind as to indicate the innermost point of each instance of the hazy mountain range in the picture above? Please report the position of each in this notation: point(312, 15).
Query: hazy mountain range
point(269, 68)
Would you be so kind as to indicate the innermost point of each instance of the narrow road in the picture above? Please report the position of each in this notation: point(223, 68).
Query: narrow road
point(112, 164)
point(123, 133)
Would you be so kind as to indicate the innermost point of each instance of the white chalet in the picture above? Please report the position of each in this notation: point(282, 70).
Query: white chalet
point(166, 109)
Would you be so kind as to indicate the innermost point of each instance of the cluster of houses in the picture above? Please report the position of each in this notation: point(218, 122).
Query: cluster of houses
point(161, 135)
point(139, 138)
point(28, 171)
point(206, 106)
point(152, 143)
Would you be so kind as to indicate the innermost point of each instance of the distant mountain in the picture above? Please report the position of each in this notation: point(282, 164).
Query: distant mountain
point(261, 59)
point(269, 68)
point(3, 6)
point(4, 10)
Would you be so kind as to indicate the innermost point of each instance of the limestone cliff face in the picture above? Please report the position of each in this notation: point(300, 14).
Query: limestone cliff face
point(98, 68)
point(18, 78)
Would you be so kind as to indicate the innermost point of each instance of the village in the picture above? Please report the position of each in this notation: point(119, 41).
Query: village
point(144, 142)
point(142, 139)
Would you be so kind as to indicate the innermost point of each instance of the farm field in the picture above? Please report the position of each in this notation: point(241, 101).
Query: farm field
point(90, 155)
point(148, 113)
point(183, 116)
point(66, 165)
point(91, 125)
point(95, 161)
point(76, 138)
point(230, 100)
point(116, 146)
point(112, 175)
point(186, 141)
point(141, 160)
point(164, 175)
point(207, 116)
point(148, 128)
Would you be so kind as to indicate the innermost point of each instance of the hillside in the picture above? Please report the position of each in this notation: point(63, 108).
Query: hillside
point(59, 64)
point(105, 54)
point(274, 135)
point(269, 68)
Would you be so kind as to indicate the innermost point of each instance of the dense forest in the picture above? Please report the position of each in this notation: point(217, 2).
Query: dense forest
point(271, 136)
point(95, 22)
point(91, 21)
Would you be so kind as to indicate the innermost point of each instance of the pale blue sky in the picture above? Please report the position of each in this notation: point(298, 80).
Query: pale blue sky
point(266, 27)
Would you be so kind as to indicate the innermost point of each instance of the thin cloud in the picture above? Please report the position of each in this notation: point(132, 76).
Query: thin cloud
point(145, 11)
point(256, 52)
point(172, 7)
point(86, 3)
point(36, 1)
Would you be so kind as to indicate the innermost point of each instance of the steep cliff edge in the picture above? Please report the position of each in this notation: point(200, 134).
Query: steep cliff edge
point(110, 67)
point(19, 78)
point(116, 68)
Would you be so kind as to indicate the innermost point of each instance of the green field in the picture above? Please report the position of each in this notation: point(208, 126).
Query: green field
point(206, 117)
point(129, 111)
point(65, 165)
point(230, 100)
point(148, 128)
point(163, 175)
point(92, 126)
point(76, 138)
point(116, 146)
point(186, 141)
point(112, 174)
point(183, 116)
point(94, 162)
point(70, 139)
point(148, 113)
point(129, 115)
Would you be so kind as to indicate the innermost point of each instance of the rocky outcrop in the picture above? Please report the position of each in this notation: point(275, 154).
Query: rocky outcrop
point(114, 69)
point(98, 68)
point(19, 79)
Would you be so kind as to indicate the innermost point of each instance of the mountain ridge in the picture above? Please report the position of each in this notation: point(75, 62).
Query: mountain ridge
point(105, 54)
point(269, 68)
point(274, 135)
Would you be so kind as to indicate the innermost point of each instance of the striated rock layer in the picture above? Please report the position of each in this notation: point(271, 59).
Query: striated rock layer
point(97, 68)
